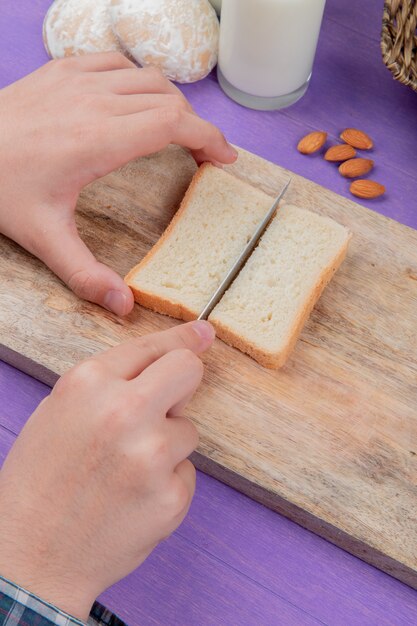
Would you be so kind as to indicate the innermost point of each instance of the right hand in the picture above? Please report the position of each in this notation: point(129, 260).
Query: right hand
point(99, 474)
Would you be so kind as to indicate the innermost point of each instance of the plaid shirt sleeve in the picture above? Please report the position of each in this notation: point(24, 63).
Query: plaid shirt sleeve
point(18, 607)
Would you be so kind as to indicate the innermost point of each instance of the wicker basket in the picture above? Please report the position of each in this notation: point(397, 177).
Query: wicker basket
point(399, 40)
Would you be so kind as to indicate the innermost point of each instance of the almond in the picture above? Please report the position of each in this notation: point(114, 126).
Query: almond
point(367, 189)
point(356, 167)
point(312, 142)
point(357, 139)
point(341, 152)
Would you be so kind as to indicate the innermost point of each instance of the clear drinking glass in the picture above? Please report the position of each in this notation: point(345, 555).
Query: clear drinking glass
point(267, 49)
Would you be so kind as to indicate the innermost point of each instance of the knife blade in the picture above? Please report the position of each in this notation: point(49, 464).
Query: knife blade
point(243, 257)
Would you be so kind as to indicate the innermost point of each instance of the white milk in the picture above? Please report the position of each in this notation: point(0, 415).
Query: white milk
point(267, 49)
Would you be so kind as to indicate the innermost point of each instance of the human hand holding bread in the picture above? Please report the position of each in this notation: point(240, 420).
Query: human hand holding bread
point(70, 122)
point(90, 115)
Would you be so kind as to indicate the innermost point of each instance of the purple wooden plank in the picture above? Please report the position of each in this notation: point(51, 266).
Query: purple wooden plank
point(19, 397)
point(301, 568)
point(356, 89)
point(283, 559)
point(6, 441)
point(350, 86)
point(362, 17)
point(223, 525)
point(275, 135)
point(181, 585)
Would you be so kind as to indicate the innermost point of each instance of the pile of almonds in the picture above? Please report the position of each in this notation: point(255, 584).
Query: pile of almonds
point(345, 153)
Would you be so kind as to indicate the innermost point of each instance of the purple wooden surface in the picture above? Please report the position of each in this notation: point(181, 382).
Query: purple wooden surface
point(233, 561)
point(350, 87)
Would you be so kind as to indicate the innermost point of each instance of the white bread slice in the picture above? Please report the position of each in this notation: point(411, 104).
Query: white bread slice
point(217, 216)
point(266, 307)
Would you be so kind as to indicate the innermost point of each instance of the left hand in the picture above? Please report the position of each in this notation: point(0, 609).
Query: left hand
point(69, 123)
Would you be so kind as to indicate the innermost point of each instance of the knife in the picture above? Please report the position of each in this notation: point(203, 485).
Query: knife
point(243, 257)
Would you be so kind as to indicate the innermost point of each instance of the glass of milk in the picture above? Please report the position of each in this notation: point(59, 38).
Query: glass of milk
point(267, 50)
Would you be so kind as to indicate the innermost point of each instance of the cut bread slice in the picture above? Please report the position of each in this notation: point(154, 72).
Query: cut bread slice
point(216, 219)
point(266, 307)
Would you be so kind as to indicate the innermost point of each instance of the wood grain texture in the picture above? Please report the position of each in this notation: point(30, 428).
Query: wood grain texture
point(299, 566)
point(257, 552)
point(330, 439)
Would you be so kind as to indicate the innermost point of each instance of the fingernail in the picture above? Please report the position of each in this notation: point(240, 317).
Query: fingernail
point(233, 153)
point(204, 330)
point(116, 301)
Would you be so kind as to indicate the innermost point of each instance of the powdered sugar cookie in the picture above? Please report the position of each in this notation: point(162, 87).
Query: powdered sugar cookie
point(181, 37)
point(78, 27)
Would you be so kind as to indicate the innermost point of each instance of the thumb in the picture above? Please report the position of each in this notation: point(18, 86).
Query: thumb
point(69, 258)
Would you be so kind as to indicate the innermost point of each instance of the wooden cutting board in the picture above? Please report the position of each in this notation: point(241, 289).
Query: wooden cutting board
point(331, 439)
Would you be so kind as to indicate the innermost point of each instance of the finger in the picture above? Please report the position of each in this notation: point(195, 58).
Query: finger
point(137, 80)
point(185, 471)
point(178, 409)
point(99, 62)
point(135, 103)
point(67, 256)
point(136, 135)
point(169, 380)
point(182, 483)
point(129, 359)
point(182, 437)
point(200, 157)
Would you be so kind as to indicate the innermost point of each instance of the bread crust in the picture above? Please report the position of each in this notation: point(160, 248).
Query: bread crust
point(165, 306)
point(275, 360)
point(150, 300)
